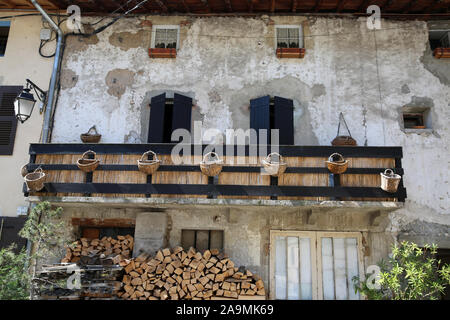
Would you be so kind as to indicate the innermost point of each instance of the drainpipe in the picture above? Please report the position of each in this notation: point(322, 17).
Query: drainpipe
point(56, 64)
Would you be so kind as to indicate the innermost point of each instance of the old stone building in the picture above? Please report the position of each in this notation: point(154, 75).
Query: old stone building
point(307, 232)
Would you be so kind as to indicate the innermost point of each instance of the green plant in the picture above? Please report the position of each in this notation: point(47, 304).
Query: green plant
point(14, 278)
point(411, 273)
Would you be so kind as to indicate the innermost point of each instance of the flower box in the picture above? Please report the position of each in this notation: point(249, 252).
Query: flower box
point(291, 53)
point(162, 53)
point(442, 53)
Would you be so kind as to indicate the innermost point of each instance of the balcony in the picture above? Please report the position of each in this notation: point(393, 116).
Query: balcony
point(306, 181)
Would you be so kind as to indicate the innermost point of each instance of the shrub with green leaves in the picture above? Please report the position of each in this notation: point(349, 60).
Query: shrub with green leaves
point(411, 273)
point(14, 278)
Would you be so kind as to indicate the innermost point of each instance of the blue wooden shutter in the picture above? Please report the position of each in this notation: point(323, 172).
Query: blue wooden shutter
point(8, 121)
point(156, 123)
point(182, 112)
point(260, 116)
point(284, 119)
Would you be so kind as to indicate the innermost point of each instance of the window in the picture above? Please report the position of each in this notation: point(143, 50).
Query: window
point(314, 265)
point(202, 239)
point(275, 113)
point(165, 37)
point(439, 39)
point(4, 32)
point(167, 115)
point(100, 232)
point(8, 121)
point(416, 118)
point(289, 37)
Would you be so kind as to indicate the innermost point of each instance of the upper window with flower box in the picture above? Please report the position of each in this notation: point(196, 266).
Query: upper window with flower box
point(165, 41)
point(289, 41)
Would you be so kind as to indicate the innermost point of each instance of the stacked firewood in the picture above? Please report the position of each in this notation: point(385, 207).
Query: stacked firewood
point(176, 274)
point(104, 251)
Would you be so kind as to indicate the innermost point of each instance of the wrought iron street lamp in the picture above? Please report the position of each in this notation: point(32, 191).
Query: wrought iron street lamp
point(25, 101)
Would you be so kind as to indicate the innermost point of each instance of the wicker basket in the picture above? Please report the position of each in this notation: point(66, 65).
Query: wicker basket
point(336, 163)
point(90, 137)
point(274, 168)
point(148, 166)
point(343, 140)
point(88, 165)
point(35, 180)
point(211, 164)
point(390, 181)
point(24, 170)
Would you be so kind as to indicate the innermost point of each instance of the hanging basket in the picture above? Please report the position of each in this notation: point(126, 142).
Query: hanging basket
point(35, 180)
point(24, 170)
point(390, 181)
point(343, 140)
point(211, 164)
point(337, 164)
point(88, 165)
point(148, 166)
point(274, 168)
point(92, 136)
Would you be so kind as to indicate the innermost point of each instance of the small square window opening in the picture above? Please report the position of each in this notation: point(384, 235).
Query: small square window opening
point(416, 118)
point(202, 239)
point(289, 37)
point(165, 37)
point(439, 39)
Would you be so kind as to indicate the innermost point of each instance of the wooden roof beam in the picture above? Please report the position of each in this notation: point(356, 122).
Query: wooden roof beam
point(409, 6)
point(228, 4)
point(272, 6)
point(250, 5)
point(387, 5)
point(186, 7)
point(318, 5)
point(341, 5)
point(162, 6)
point(206, 4)
point(433, 6)
point(12, 5)
point(364, 5)
point(294, 5)
point(57, 4)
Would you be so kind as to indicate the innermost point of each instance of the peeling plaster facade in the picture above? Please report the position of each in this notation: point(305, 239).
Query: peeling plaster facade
point(222, 63)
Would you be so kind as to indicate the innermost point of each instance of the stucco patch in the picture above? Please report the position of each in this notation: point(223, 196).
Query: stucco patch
point(127, 40)
point(80, 43)
point(68, 79)
point(118, 80)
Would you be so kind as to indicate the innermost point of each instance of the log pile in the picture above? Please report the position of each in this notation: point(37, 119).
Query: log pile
point(104, 251)
point(176, 274)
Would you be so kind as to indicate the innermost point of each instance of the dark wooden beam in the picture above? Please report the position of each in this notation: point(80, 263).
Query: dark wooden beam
point(364, 6)
point(433, 6)
point(206, 4)
point(10, 4)
point(387, 5)
point(272, 6)
point(318, 5)
point(186, 7)
point(162, 6)
point(228, 5)
point(250, 5)
point(409, 6)
point(294, 5)
point(57, 4)
point(341, 5)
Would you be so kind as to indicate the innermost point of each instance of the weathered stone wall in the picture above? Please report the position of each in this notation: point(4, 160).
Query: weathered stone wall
point(222, 63)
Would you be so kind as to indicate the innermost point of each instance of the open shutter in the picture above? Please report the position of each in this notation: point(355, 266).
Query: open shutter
point(182, 112)
point(8, 121)
point(156, 123)
point(283, 119)
point(260, 116)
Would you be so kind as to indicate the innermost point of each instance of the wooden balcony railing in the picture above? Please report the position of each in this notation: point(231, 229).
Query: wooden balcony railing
point(306, 177)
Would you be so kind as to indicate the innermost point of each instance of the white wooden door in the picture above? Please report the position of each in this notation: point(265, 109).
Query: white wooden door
point(314, 265)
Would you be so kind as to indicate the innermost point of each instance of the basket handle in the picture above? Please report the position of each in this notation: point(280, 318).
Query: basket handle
point(388, 172)
point(341, 118)
point(88, 152)
point(330, 158)
point(38, 170)
point(147, 153)
point(92, 128)
point(211, 155)
point(270, 155)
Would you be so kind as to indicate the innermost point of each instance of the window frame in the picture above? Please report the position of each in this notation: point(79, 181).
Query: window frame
point(316, 256)
point(301, 44)
point(8, 150)
point(156, 27)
